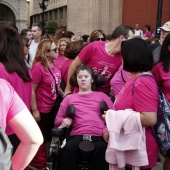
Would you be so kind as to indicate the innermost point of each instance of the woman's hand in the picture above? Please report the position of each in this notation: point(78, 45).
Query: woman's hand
point(36, 115)
point(106, 136)
point(60, 91)
point(104, 116)
point(65, 123)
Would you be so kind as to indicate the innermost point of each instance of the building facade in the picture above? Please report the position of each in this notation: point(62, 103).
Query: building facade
point(56, 10)
point(14, 11)
point(144, 13)
point(82, 17)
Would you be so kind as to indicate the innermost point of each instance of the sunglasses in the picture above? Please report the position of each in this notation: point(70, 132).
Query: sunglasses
point(100, 39)
point(55, 50)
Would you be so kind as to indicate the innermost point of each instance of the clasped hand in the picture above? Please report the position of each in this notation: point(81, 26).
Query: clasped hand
point(65, 124)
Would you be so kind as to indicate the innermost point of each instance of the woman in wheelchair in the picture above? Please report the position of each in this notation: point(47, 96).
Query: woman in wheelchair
point(87, 128)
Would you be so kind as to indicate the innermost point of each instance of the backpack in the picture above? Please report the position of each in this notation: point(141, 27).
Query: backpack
point(161, 129)
point(5, 151)
point(162, 126)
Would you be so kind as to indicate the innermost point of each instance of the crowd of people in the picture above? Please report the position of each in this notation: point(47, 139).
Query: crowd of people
point(37, 69)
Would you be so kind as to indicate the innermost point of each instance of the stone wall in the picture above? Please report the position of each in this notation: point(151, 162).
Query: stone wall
point(19, 8)
point(82, 16)
point(86, 16)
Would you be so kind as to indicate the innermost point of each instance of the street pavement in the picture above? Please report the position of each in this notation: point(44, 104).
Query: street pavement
point(160, 164)
point(158, 167)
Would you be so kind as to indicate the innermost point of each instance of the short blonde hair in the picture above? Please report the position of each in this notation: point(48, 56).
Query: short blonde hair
point(67, 40)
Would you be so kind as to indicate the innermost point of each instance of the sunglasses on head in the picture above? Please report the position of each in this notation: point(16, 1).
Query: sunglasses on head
point(55, 50)
point(100, 39)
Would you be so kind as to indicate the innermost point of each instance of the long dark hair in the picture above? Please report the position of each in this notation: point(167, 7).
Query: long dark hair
point(11, 51)
point(165, 54)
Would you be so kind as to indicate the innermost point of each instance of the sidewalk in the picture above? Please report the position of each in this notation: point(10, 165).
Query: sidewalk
point(159, 164)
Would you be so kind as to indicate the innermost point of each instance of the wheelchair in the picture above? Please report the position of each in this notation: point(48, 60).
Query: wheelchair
point(85, 148)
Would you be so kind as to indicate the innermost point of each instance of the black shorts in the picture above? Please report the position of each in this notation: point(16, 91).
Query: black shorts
point(46, 124)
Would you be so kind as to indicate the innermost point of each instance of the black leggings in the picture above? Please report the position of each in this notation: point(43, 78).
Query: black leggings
point(46, 124)
point(127, 168)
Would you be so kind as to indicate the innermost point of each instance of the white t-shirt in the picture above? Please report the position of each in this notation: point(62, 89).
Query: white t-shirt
point(32, 51)
point(139, 33)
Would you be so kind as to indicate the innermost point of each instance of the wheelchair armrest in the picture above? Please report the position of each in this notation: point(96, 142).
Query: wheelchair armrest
point(70, 111)
point(57, 132)
point(103, 107)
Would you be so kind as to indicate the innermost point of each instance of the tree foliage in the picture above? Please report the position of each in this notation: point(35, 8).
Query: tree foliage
point(51, 26)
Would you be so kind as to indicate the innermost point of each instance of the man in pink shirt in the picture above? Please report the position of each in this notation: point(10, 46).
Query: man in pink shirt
point(103, 57)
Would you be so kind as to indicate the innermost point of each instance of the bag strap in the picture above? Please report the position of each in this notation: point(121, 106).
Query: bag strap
point(148, 75)
point(159, 89)
point(54, 80)
point(160, 95)
point(122, 76)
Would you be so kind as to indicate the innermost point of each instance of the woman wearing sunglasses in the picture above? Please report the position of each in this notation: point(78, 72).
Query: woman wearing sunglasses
point(97, 35)
point(25, 44)
point(44, 95)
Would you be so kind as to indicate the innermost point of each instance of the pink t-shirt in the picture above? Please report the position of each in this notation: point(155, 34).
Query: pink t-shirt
point(46, 89)
point(22, 88)
point(147, 34)
point(95, 56)
point(10, 105)
point(117, 81)
point(144, 99)
point(163, 79)
point(60, 61)
point(64, 70)
point(87, 116)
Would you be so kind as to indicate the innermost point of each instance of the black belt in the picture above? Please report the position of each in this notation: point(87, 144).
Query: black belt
point(88, 137)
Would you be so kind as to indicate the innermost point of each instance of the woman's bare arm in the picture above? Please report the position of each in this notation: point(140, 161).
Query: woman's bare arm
point(30, 136)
